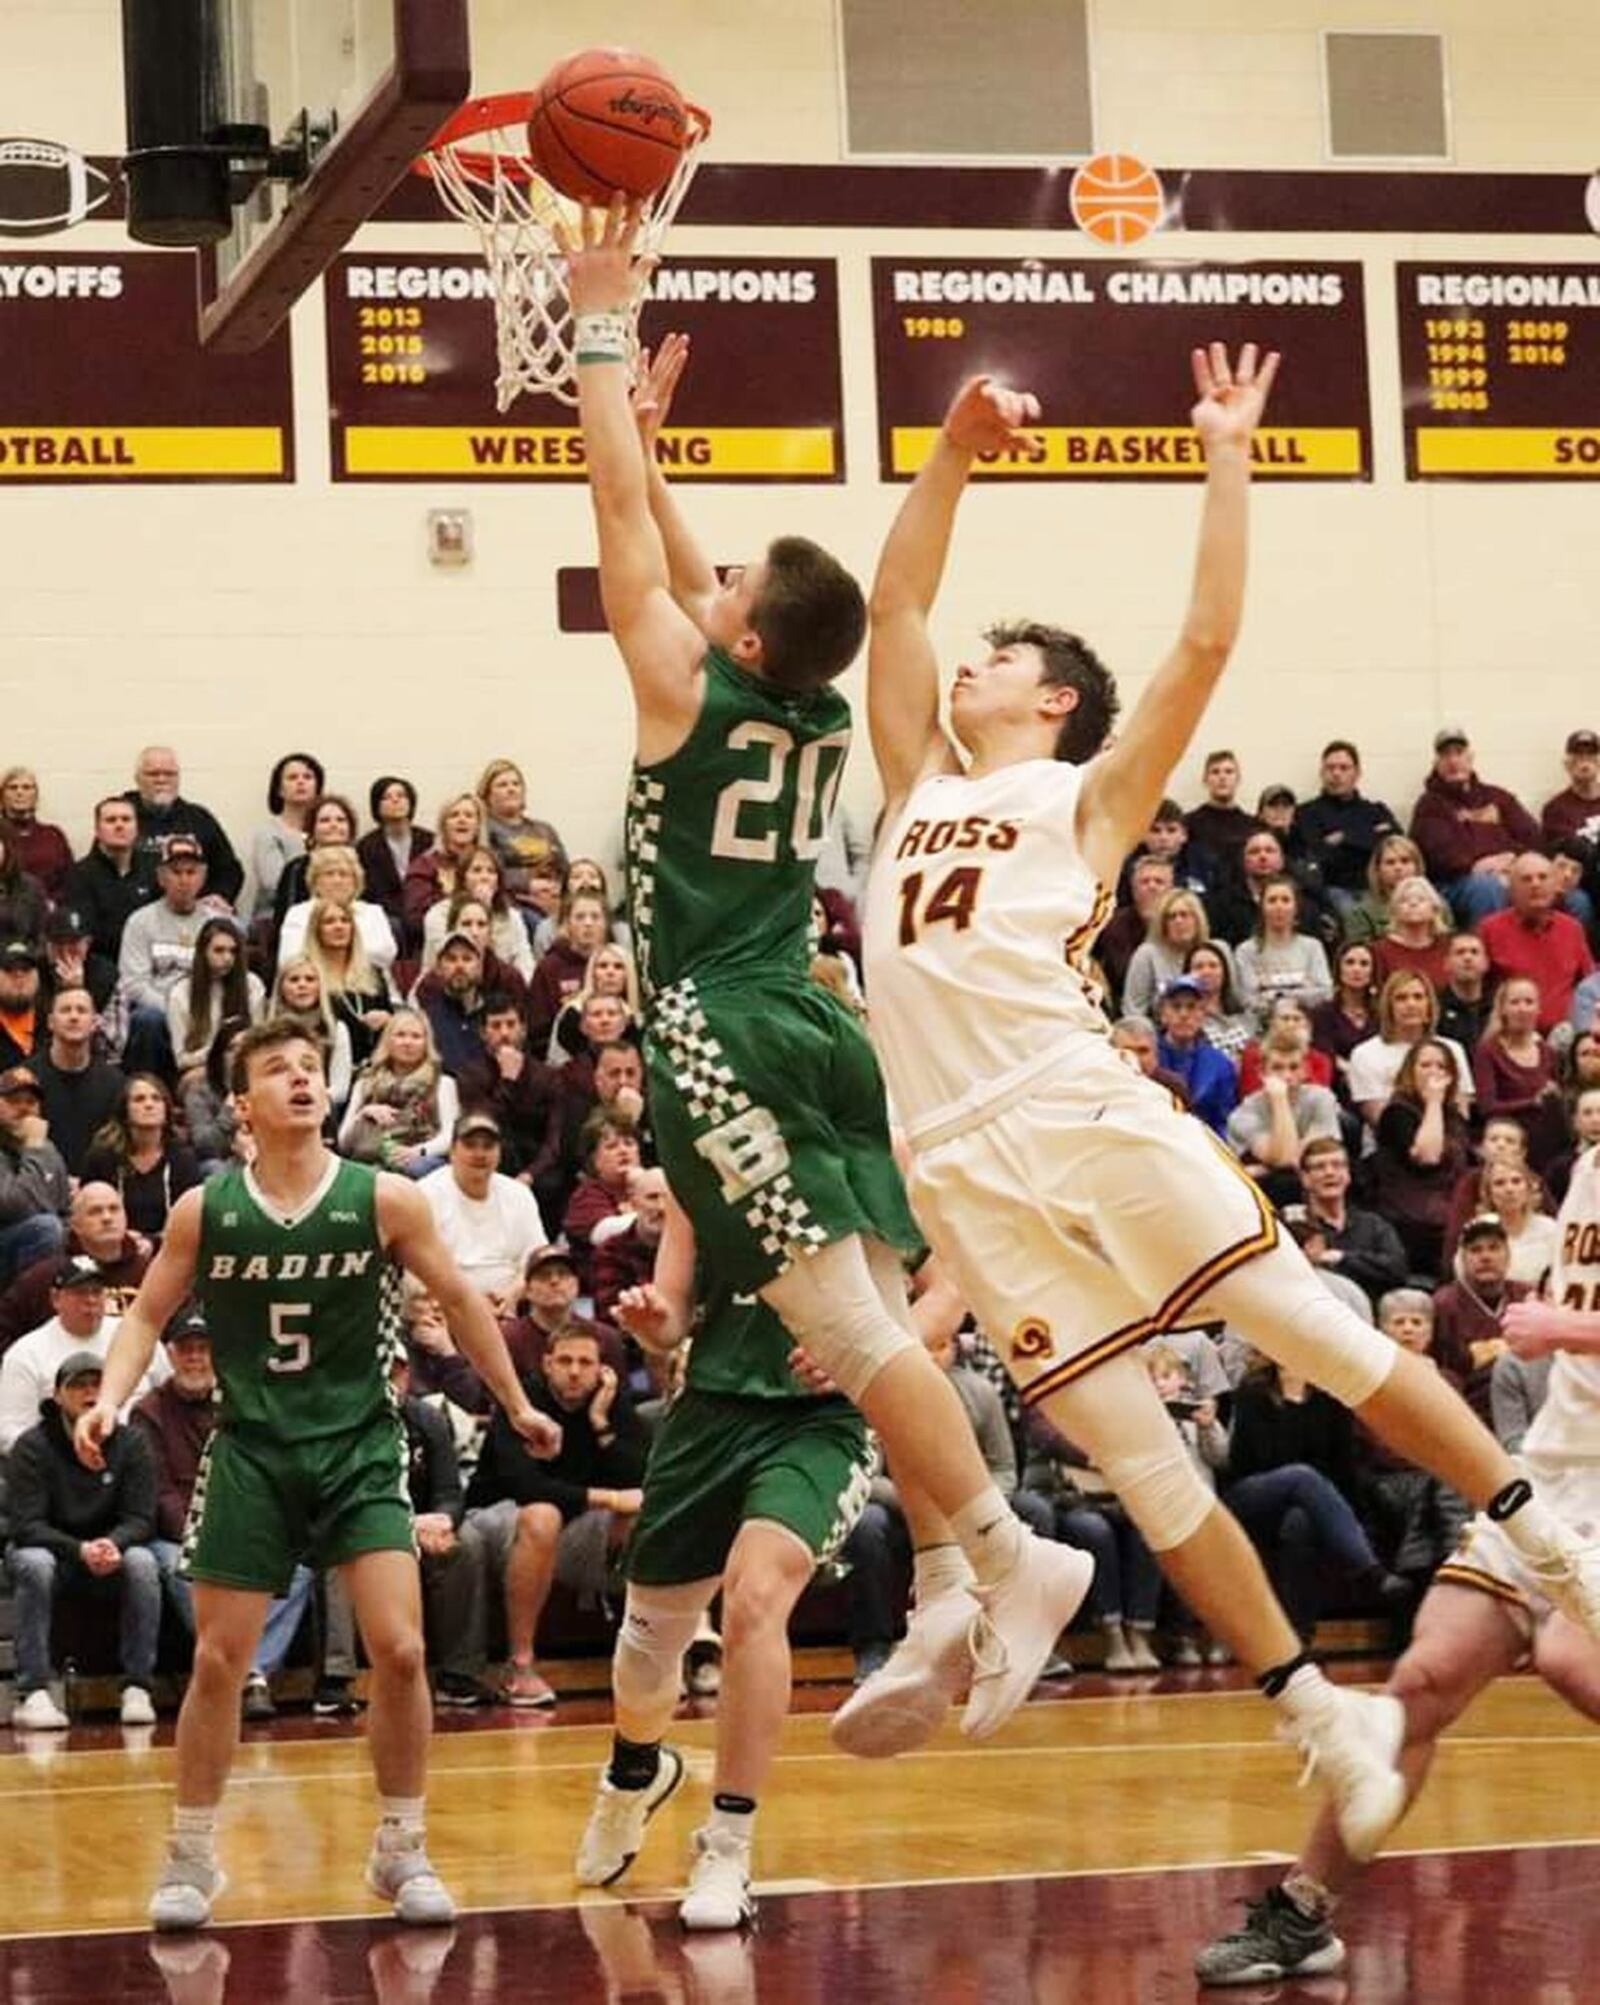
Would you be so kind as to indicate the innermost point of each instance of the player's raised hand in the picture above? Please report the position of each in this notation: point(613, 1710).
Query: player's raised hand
point(984, 415)
point(1232, 395)
point(659, 376)
point(94, 1429)
point(604, 271)
point(541, 1435)
point(647, 1316)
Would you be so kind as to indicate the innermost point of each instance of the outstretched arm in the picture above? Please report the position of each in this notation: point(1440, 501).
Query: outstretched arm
point(690, 576)
point(902, 673)
point(1123, 788)
point(660, 644)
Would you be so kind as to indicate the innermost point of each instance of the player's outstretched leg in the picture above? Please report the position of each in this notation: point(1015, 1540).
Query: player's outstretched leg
point(385, 1590)
point(768, 1571)
point(658, 1626)
point(1029, 1589)
point(228, 1623)
point(1463, 1641)
point(901, 1705)
point(1277, 1302)
point(1351, 1739)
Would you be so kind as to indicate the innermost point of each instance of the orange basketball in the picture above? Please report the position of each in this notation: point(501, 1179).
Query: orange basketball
point(607, 119)
point(1117, 199)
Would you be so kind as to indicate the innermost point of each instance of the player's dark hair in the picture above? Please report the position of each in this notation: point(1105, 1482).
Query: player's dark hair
point(1068, 663)
point(275, 778)
point(810, 616)
point(1340, 745)
point(271, 1035)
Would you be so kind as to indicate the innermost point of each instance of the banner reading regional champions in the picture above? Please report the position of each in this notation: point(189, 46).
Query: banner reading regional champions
point(411, 369)
point(1105, 347)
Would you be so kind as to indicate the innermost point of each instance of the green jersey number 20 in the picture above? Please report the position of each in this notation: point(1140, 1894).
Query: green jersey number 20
point(818, 771)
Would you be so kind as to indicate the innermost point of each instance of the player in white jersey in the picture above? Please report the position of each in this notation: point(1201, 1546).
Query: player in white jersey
point(1485, 1613)
point(1074, 1206)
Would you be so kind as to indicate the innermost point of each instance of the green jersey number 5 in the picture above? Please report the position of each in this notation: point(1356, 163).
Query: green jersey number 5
point(816, 788)
point(294, 1346)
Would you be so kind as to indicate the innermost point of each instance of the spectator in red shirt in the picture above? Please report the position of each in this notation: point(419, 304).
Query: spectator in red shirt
point(626, 1258)
point(41, 849)
point(1534, 939)
point(1514, 1071)
point(610, 1155)
point(1418, 936)
point(1469, 832)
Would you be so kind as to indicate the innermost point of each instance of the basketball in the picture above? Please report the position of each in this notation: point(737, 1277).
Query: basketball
point(607, 120)
point(1117, 199)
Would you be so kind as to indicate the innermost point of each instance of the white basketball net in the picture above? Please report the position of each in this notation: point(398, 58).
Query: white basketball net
point(486, 180)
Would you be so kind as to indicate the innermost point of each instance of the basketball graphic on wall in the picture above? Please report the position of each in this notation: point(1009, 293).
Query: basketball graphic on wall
point(1117, 200)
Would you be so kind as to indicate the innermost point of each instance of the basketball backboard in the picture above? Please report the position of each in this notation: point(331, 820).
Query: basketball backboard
point(361, 86)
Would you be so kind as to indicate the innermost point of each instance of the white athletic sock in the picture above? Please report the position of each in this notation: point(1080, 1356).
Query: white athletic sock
point(734, 1815)
point(1306, 1692)
point(990, 1534)
point(194, 1831)
point(940, 1569)
point(401, 1819)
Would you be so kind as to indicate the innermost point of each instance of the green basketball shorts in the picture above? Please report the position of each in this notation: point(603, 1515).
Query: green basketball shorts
point(262, 1505)
point(720, 1461)
point(770, 1121)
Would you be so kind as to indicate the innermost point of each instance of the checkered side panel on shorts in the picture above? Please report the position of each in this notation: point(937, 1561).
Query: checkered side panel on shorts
point(775, 1211)
point(391, 1325)
point(197, 1506)
point(643, 844)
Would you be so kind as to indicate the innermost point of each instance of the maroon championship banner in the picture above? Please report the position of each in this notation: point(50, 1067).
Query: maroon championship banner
point(1500, 371)
point(1105, 346)
point(104, 378)
point(411, 369)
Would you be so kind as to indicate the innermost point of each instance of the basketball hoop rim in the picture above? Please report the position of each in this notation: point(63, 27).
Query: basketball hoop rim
point(511, 110)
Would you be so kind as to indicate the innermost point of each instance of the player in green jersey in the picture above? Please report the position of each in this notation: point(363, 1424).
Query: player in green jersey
point(766, 1100)
point(298, 1262)
point(753, 1480)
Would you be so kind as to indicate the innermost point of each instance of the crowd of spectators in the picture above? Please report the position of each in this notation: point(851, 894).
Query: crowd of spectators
point(1398, 1034)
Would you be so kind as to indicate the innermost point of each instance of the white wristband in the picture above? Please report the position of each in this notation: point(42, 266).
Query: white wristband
point(602, 337)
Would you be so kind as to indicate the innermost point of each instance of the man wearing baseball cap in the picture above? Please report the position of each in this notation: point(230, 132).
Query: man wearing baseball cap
point(157, 952)
point(22, 1008)
point(1469, 832)
point(1574, 813)
point(78, 1322)
point(71, 960)
point(1468, 1311)
point(84, 1532)
point(34, 1187)
point(489, 1222)
point(1209, 1077)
